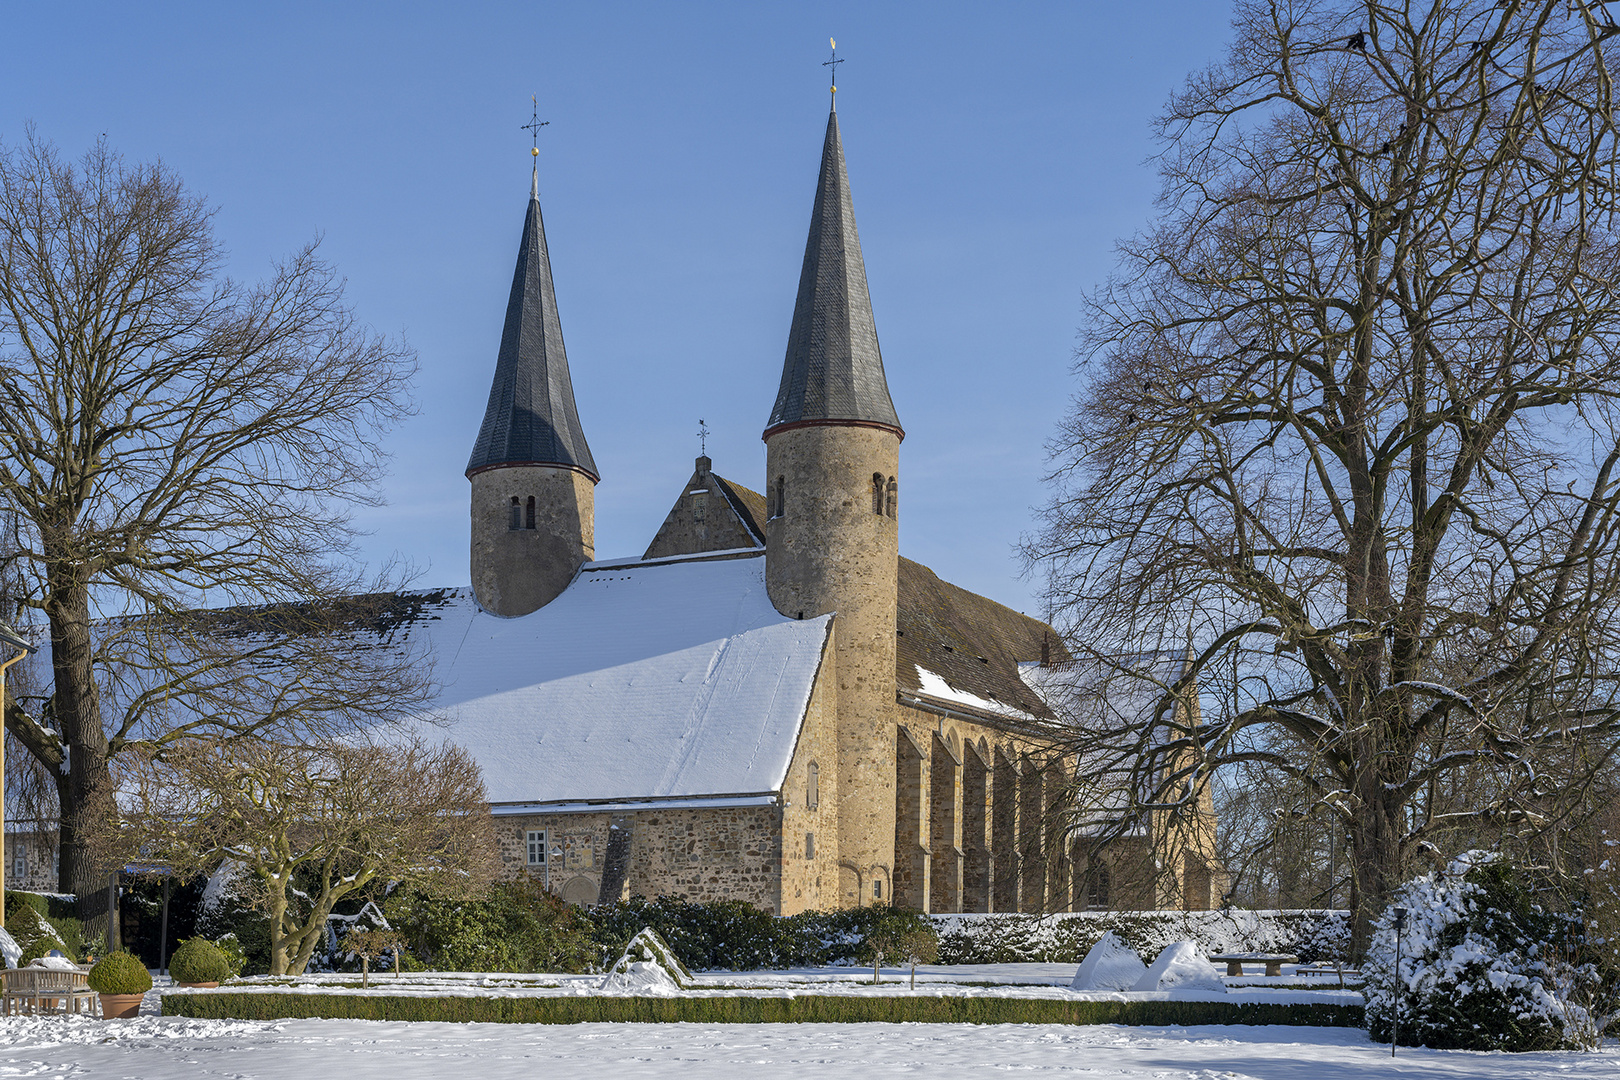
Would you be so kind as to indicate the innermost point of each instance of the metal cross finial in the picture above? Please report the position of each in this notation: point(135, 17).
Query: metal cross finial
point(833, 63)
point(534, 125)
point(703, 438)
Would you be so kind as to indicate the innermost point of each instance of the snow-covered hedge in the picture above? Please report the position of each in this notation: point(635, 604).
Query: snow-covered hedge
point(1065, 938)
point(1484, 966)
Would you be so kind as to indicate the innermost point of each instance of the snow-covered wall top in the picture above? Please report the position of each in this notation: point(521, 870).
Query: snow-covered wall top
point(641, 680)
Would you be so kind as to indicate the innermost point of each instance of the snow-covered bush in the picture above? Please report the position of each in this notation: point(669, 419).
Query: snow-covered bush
point(1484, 966)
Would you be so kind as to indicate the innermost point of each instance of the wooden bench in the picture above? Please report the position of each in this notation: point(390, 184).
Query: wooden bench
point(1274, 961)
point(34, 990)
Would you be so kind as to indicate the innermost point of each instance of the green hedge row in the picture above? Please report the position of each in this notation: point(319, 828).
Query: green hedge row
point(803, 1009)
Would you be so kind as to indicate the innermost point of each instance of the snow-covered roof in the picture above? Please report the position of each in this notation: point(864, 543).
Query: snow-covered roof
point(642, 680)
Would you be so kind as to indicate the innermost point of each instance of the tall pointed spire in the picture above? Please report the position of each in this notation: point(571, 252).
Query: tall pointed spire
point(531, 418)
point(834, 370)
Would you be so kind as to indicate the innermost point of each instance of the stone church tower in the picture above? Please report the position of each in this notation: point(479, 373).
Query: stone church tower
point(533, 478)
point(832, 451)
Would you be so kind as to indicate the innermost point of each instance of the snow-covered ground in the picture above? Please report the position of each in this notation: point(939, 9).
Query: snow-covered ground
point(178, 1049)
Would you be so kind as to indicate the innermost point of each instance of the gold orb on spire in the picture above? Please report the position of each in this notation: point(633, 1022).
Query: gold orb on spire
point(535, 151)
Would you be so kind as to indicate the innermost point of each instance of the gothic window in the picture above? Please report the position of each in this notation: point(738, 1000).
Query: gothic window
point(514, 520)
point(877, 493)
point(537, 847)
point(893, 499)
point(528, 514)
point(779, 504)
point(812, 787)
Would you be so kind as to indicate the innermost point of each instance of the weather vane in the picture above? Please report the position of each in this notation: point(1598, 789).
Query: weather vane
point(833, 63)
point(534, 125)
point(703, 438)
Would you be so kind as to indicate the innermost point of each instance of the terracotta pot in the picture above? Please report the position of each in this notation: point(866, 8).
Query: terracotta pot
point(120, 1006)
point(200, 986)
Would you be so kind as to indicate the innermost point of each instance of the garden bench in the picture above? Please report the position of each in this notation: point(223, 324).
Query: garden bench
point(34, 989)
point(1234, 962)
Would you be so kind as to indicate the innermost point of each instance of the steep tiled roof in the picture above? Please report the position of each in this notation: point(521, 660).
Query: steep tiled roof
point(531, 418)
point(750, 506)
point(833, 370)
point(972, 643)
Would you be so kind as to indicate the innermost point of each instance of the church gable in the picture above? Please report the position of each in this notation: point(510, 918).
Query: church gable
point(711, 514)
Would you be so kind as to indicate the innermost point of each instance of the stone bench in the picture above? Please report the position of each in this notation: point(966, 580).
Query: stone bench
point(1234, 962)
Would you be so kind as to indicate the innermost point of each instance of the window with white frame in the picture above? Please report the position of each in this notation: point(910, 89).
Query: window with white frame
point(19, 863)
point(537, 847)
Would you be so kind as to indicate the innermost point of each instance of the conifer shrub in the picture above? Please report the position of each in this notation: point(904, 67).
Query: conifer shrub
point(198, 961)
point(120, 973)
point(37, 935)
point(1485, 964)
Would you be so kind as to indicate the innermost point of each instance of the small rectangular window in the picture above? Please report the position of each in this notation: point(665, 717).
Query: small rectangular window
point(19, 864)
point(877, 890)
point(812, 793)
point(809, 845)
point(537, 847)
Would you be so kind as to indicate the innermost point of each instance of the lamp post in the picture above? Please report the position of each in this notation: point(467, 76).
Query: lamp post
point(1395, 1032)
point(10, 637)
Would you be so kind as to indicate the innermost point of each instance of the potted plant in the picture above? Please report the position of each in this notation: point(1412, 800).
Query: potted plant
point(122, 981)
point(199, 962)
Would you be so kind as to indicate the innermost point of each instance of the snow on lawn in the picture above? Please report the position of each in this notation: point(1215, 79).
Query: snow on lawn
point(179, 1049)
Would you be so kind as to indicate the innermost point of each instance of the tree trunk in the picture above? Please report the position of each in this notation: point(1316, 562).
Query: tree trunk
point(1375, 855)
point(84, 790)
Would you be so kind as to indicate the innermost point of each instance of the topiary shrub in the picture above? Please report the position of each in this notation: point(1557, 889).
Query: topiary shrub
point(1484, 965)
point(198, 961)
point(120, 973)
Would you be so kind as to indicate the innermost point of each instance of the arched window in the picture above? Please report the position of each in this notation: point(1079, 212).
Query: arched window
point(877, 493)
point(528, 514)
point(893, 501)
point(779, 504)
point(514, 520)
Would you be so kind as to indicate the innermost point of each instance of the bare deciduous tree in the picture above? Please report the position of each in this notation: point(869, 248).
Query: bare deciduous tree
point(1350, 422)
point(170, 435)
point(310, 824)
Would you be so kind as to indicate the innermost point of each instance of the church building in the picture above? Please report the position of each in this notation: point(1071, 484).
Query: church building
point(770, 704)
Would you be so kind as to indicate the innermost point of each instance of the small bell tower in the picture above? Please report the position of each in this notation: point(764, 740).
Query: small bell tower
point(533, 477)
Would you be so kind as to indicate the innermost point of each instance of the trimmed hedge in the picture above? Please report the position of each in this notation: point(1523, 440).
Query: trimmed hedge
point(801, 1009)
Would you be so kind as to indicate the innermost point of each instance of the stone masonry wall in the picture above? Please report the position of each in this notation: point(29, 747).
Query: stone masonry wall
point(516, 571)
point(701, 854)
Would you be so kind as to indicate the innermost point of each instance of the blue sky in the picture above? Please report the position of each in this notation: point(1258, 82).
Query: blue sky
point(996, 153)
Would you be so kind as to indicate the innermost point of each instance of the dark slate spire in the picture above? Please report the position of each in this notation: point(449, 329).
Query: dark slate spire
point(531, 418)
point(833, 371)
